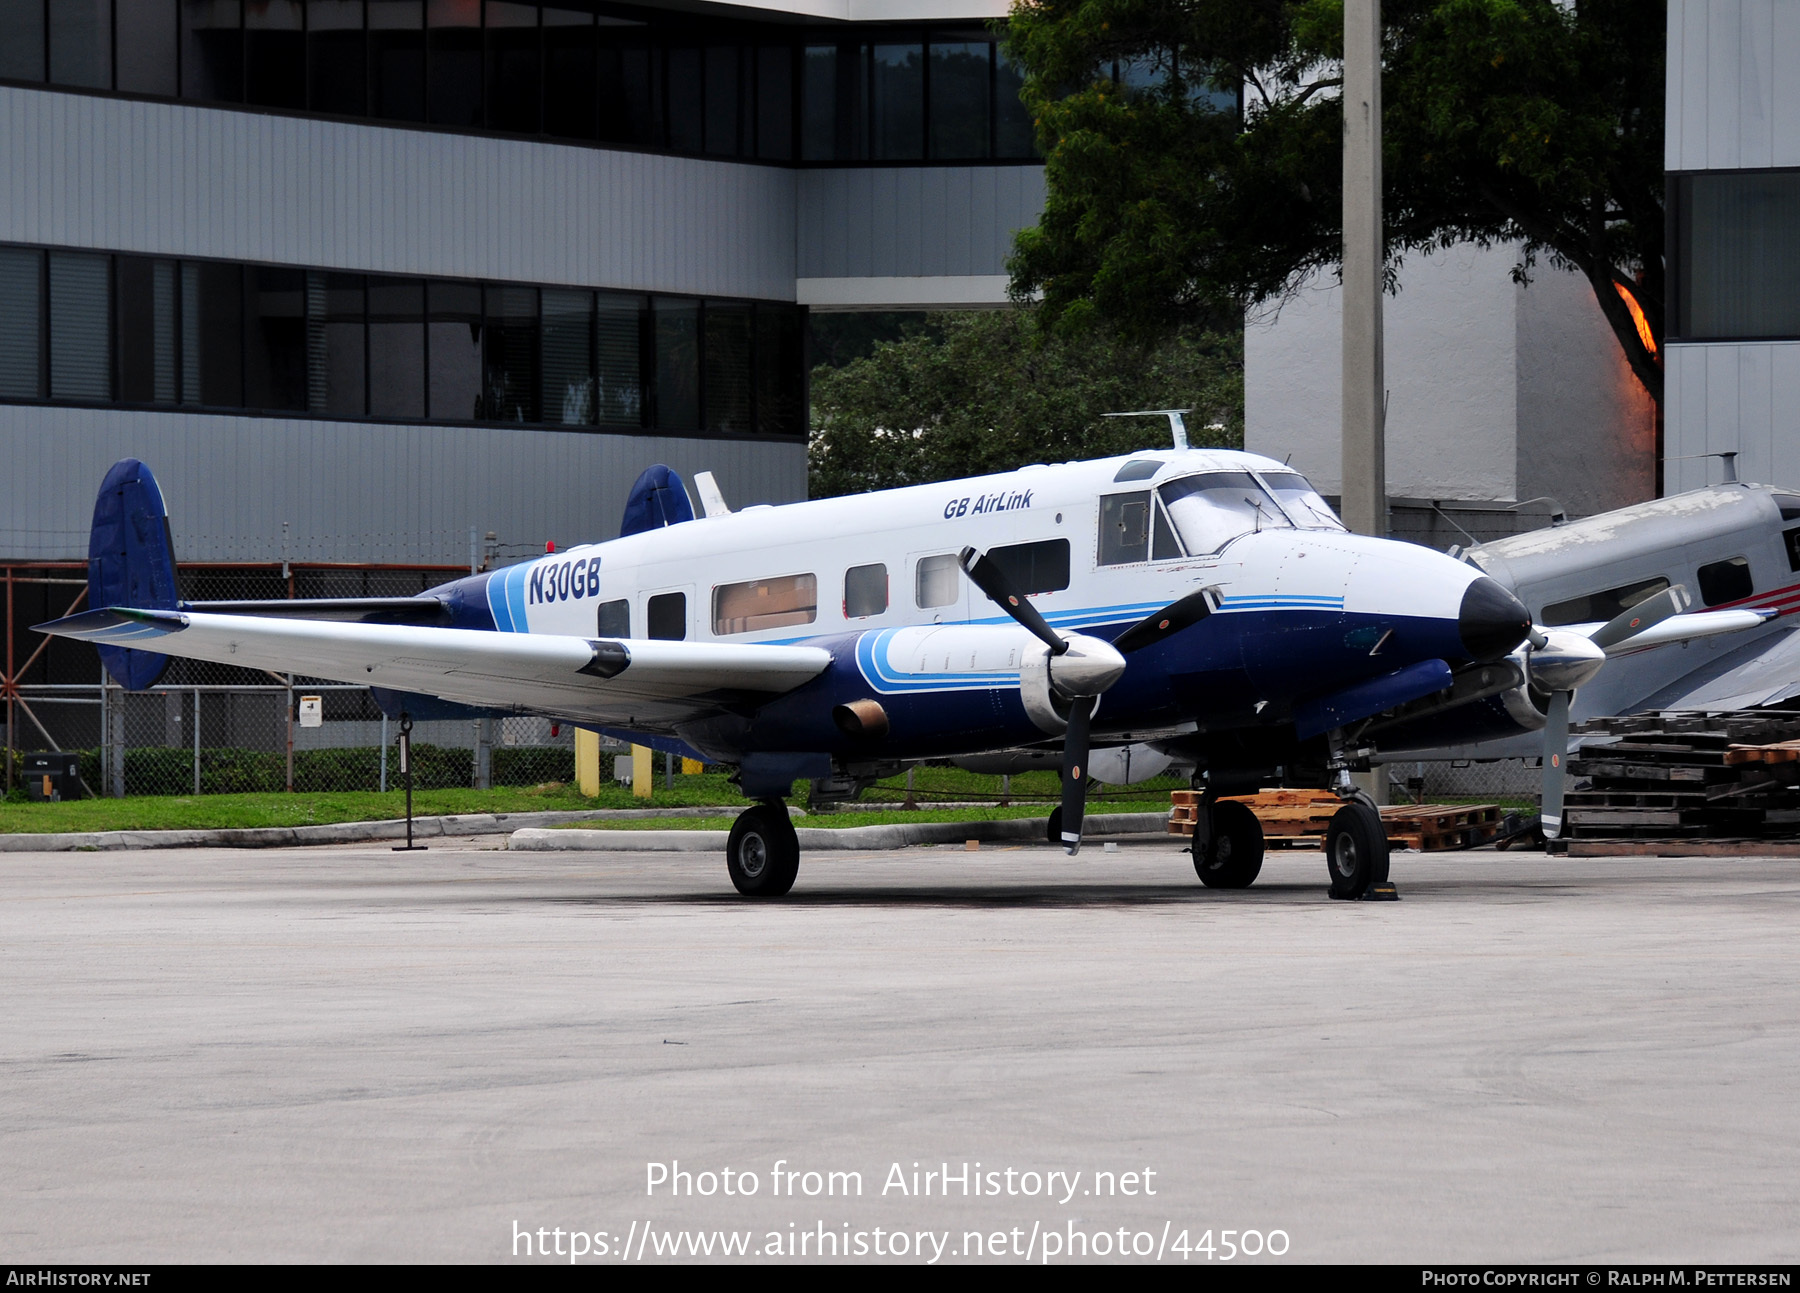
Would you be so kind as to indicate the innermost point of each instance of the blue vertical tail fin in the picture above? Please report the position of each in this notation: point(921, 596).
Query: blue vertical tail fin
point(131, 562)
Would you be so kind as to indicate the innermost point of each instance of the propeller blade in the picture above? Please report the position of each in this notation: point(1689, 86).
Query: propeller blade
point(1075, 772)
point(990, 579)
point(1174, 617)
point(1635, 619)
point(1556, 754)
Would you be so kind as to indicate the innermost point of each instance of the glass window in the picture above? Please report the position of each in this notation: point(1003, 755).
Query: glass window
point(1013, 132)
point(630, 85)
point(453, 62)
point(336, 365)
point(677, 364)
point(780, 370)
point(20, 283)
point(865, 591)
point(275, 54)
point(1138, 469)
point(722, 100)
point(515, 67)
point(775, 103)
point(81, 43)
point(80, 321)
point(1163, 544)
point(897, 101)
point(1604, 605)
point(960, 98)
point(147, 328)
point(818, 103)
point(212, 51)
point(568, 398)
point(1791, 538)
point(687, 124)
point(1301, 502)
point(453, 342)
point(1739, 263)
point(569, 73)
point(338, 57)
point(728, 367)
point(1726, 581)
point(666, 617)
point(1124, 528)
point(1211, 510)
point(613, 619)
point(765, 604)
point(396, 348)
point(1041, 567)
point(146, 48)
point(22, 40)
point(511, 354)
point(619, 371)
point(275, 339)
point(938, 581)
point(397, 59)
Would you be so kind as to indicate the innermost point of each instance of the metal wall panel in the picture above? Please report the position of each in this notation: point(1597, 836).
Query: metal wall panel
point(882, 222)
point(351, 491)
point(178, 180)
point(1731, 101)
point(1731, 396)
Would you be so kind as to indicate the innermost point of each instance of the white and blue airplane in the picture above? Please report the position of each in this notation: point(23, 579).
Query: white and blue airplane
point(1205, 602)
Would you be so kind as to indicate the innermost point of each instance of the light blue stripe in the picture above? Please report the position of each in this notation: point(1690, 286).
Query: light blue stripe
point(515, 597)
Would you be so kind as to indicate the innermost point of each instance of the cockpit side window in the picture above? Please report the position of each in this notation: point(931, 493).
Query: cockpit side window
point(1124, 528)
point(1210, 510)
point(1601, 605)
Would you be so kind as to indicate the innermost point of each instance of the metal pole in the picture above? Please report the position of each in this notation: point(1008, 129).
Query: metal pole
point(384, 745)
point(12, 683)
point(290, 733)
point(196, 740)
point(1364, 503)
point(406, 726)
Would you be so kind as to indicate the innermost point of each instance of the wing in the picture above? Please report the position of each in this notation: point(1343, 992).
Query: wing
point(623, 682)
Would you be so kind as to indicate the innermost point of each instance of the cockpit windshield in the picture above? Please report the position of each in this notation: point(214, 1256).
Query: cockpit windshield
point(1211, 510)
point(1303, 504)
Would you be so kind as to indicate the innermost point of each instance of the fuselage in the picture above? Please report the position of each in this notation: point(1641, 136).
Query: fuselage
point(1305, 612)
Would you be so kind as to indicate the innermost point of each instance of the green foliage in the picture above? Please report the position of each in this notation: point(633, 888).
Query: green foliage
point(162, 770)
point(1532, 122)
point(988, 391)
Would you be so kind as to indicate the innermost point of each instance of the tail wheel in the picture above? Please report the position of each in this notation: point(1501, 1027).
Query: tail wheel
point(1356, 850)
point(1233, 856)
point(763, 853)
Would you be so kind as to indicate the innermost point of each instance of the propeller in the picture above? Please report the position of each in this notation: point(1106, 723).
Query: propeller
point(1082, 667)
point(1559, 661)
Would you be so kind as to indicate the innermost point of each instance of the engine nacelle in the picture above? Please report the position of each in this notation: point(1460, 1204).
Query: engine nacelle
point(1047, 683)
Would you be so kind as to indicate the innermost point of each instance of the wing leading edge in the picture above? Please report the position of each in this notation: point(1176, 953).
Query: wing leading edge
point(604, 680)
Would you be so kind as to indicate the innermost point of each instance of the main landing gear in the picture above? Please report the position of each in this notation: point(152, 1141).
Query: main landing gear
point(763, 853)
point(1229, 855)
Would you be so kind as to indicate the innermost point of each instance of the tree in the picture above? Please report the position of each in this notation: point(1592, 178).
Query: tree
point(1537, 123)
point(988, 391)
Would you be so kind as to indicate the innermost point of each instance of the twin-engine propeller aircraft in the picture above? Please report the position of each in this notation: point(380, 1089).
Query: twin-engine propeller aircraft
point(1206, 602)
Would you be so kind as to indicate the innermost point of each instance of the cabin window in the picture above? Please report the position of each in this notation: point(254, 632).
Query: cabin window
point(865, 591)
point(666, 616)
point(614, 619)
point(1602, 606)
point(1792, 539)
point(1789, 505)
point(939, 581)
point(1726, 581)
point(1034, 567)
point(765, 604)
point(1124, 528)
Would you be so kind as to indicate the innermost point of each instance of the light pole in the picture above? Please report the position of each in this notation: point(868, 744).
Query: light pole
point(1364, 504)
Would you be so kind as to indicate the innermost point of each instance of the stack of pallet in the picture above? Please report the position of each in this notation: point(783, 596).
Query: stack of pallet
point(1300, 818)
point(1676, 775)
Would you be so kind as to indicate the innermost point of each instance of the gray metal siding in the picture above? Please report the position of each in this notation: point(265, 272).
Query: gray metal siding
point(1731, 396)
point(352, 491)
point(1727, 106)
point(172, 179)
point(890, 222)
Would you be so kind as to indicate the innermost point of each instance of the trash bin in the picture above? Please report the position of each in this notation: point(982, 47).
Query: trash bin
point(50, 777)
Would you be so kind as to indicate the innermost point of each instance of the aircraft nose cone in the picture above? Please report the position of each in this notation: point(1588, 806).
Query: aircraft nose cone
point(1492, 621)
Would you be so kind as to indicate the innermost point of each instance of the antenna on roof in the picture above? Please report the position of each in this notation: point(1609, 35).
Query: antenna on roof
point(1177, 428)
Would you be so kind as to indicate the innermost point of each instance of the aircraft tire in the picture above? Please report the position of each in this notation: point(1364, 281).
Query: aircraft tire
point(763, 853)
point(1356, 850)
point(1233, 857)
point(1053, 829)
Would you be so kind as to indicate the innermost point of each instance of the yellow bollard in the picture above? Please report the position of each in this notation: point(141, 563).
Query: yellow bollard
point(692, 767)
point(641, 771)
point(587, 762)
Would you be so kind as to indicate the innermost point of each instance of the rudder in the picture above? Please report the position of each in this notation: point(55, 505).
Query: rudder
point(131, 563)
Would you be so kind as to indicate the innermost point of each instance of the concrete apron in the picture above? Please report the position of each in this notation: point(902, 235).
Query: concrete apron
point(894, 836)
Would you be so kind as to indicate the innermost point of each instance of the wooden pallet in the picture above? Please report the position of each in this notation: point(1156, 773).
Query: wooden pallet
point(1300, 818)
